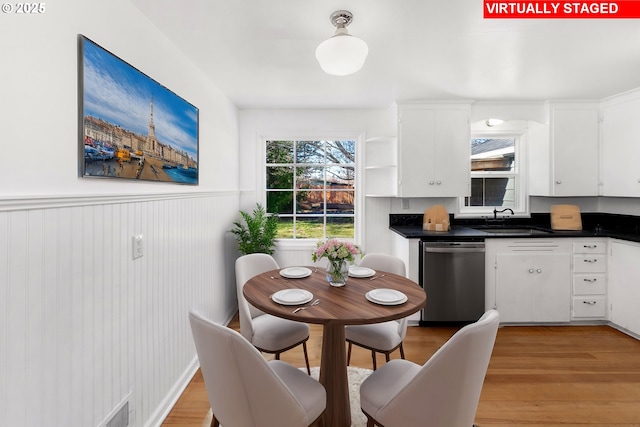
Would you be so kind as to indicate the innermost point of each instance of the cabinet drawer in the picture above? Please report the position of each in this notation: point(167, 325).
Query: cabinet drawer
point(589, 247)
point(588, 263)
point(589, 284)
point(584, 307)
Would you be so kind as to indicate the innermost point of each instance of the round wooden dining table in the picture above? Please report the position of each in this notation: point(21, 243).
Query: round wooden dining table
point(338, 306)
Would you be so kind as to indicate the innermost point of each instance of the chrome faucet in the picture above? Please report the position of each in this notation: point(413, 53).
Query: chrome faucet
point(496, 212)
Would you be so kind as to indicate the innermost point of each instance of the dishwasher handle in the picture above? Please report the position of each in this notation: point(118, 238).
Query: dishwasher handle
point(453, 248)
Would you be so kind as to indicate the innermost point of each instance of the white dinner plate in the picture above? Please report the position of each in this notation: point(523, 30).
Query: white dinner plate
point(295, 272)
point(386, 296)
point(361, 272)
point(292, 296)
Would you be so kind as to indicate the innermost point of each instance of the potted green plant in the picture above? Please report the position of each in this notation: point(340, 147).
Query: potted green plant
point(258, 232)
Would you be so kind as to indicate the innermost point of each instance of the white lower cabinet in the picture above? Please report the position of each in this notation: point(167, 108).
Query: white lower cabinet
point(624, 285)
point(531, 279)
point(589, 287)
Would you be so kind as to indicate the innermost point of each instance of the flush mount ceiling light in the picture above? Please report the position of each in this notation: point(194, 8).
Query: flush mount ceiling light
point(342, 54)
point(494, 122)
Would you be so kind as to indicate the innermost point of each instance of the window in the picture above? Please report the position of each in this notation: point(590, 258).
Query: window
point(496, 175)
point(310, 186)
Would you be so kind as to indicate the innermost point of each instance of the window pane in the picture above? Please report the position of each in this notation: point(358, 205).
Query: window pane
point(279, 151)
point(492, 154)
point(340, 227)
point(310, 152)
point(343, 152)
point(310, 177)
point(309, 228)
point(285, 228)
point(310, 202)
point(279, 177)
point(340, 202)
point(280, 202)
point(341, 177)
point(492, 192)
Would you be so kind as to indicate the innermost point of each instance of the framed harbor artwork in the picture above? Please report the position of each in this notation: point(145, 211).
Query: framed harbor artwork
point(130, 126)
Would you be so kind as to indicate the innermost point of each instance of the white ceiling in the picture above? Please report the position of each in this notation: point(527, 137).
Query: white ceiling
point(261, 52)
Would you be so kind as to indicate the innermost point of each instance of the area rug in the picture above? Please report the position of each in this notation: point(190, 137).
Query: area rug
point(356, 376)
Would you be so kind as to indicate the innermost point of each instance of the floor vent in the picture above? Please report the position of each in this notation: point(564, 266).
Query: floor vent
point(120, 418)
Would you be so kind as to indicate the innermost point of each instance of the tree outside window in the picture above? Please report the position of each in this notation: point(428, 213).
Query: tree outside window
point(310, 186)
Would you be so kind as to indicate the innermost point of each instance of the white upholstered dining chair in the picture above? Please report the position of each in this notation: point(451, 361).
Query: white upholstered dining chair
point(383, 337)
point(269, 334)
point(445, 391)
point(245, 390)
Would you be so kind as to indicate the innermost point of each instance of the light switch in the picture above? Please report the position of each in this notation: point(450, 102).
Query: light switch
point(137, 246)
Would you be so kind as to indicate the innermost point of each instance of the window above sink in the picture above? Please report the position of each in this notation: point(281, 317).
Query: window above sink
point(498, 170)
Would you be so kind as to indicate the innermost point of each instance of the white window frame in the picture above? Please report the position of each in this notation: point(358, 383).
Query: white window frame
point(521, 207)
point(359, 204)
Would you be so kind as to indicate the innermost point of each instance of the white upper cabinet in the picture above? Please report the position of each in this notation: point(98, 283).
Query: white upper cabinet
point(621, 146)
point(564, 155)
point(433, 149)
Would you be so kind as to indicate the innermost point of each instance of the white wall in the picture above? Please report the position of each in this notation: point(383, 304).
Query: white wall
point(620, 205)
point(39, 96)
point(85, 325)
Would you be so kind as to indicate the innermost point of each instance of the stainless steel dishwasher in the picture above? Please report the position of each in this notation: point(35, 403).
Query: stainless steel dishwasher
point(453, 277)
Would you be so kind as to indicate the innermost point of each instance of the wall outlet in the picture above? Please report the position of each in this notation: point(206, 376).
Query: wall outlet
point(405, 203)
point(138, 247)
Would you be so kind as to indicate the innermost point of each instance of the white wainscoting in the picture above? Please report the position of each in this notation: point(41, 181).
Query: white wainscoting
point(82, 324)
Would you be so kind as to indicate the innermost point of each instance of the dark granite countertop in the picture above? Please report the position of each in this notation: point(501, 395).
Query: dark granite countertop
point(625, 227)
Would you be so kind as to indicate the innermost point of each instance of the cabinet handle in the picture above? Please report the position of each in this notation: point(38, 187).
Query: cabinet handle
point(558, 182)
point(589, 246)
point(590, 280)
point(439, 182)
point(591, 260)
point(589, 302)
point(431, 182)
point(531, 270)
point(538, 271)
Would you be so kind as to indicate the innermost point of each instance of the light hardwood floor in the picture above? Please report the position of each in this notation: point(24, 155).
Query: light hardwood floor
point(538, 376)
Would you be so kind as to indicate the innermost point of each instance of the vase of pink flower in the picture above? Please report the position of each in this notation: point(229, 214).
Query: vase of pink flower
point(340, 254)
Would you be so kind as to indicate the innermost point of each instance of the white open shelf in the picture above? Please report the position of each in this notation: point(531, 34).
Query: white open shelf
point(381, 171)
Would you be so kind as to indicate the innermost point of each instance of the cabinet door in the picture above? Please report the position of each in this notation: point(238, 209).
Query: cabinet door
point(574, 135)
point(416, 154)
point(433, 151)
point(624, 285)
point(621, 150)
point(514, 288)
point(452, 146)
point(533, 287)
point(553, 288)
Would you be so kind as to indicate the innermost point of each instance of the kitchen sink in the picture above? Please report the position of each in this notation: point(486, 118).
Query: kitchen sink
point(515, 231)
